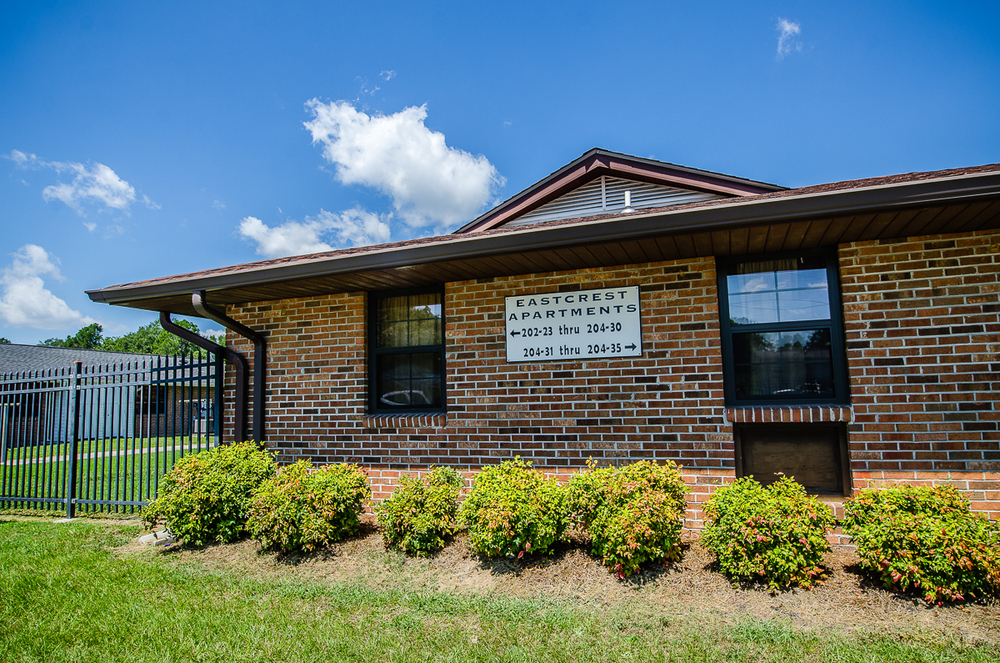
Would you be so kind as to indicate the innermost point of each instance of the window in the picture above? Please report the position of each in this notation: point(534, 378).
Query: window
point(782, 335)
point(407, 352)
point(811, 453)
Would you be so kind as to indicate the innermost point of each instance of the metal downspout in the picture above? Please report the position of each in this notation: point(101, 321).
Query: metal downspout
point(200, 303)
point(238, 361)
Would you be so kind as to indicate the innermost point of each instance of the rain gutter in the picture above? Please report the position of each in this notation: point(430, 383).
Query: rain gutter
point(200, 304)
point(238, 361)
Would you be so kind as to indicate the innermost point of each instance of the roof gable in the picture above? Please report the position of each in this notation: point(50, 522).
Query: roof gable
point(571, 191)
point(607, 195)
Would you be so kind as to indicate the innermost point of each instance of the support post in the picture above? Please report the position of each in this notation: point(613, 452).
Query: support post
point(217, 401)
point(73, 435)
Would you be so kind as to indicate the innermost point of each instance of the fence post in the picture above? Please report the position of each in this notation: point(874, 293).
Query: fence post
point(72, 433)
point(219, 377)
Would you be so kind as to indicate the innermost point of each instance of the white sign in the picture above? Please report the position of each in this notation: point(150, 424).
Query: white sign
point(566, 326)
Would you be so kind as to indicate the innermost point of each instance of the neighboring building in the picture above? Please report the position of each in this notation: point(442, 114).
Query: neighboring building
point(17, 358)
point(624, 309)
point(122, 395)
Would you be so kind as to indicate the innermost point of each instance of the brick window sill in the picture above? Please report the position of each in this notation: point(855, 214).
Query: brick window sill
point(397, 421)
point(788, 414)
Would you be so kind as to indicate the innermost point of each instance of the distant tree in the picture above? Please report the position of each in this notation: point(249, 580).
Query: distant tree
point(4, 341)
point(152, 339)
point(88, 338)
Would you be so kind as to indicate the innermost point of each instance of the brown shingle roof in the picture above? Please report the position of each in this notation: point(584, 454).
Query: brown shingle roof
point(829, 188)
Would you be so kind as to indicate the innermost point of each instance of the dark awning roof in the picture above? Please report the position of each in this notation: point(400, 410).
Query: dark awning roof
point(960, 200)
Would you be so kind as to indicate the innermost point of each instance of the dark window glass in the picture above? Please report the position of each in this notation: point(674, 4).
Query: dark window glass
point(783, 364)
point(408, 352)
point(409, 380)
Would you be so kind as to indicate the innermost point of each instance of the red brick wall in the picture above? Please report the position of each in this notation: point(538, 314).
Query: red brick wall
point(923, 343)
point(922, 324)
point(666, 404)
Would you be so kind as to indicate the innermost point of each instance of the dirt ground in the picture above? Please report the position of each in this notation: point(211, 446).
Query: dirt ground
point(691, 587)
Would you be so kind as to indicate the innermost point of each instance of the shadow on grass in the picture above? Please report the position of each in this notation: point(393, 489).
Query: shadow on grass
point(514, 567)
point(753, 584)
point(869, 581)
point(324, 553)
point(648, 573)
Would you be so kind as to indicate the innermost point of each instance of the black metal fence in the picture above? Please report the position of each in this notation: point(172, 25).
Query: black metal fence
point(99, 438)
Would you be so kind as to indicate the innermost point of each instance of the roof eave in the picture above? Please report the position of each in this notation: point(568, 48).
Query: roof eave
point(736, 213)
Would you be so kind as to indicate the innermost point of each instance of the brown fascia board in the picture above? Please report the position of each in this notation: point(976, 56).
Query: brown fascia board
point(783, 207)
point(597, 162)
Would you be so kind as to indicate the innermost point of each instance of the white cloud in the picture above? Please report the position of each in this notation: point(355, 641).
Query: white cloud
point(89, 225)
point(429, 182)
point(786, 44)
point(98, 183)
point(355, 227)
point(26, 302)
point(94, 184)
point(219, 206)
point(215, 335)
point(388, 74)
point(289, 239)
point(22, 159)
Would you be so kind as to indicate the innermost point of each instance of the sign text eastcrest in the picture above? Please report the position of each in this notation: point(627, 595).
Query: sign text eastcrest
point(584, 324)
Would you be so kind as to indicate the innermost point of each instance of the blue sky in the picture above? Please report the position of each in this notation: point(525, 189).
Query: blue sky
point(139, 140)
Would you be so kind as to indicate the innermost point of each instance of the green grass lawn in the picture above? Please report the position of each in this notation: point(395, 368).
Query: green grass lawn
point(66, 595)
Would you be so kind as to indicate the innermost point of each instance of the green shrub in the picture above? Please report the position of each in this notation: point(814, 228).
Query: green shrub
point(205, 497)
point(924, 539)
point(775, 535)
point(420, 514)
point(302, 509)
point(512, 510)
point(633, 514)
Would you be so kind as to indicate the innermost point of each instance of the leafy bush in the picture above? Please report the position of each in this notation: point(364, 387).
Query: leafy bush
point(925, 539)
point(775, 534)
point(512, 510)
point(301, 509)
point(205, 497)
point(634, 514)
point(420, 514)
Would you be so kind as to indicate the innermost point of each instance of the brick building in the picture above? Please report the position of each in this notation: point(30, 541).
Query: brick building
point(624, 309)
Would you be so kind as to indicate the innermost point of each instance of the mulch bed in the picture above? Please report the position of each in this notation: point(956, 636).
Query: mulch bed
point(847, 600)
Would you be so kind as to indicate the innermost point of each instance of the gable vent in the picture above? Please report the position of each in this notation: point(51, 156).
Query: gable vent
point(606, 195)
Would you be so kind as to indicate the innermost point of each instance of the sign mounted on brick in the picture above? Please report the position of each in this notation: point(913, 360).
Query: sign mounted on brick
point(567, 326)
